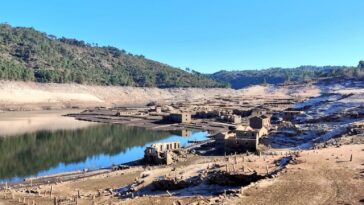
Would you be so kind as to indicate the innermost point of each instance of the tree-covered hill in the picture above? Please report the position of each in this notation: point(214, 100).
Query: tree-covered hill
point(30, 55)
point(243, 78)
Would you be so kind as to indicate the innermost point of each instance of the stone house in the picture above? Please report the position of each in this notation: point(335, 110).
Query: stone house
point(221, 140)
point(242, 139)
point(233, 142)
point(183, 117)
point(259, 122)
point(161, 153)
point(249, 132)
point(236, 119)
point(126, 113)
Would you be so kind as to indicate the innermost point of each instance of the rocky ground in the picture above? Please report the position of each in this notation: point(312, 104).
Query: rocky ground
point(325, 176)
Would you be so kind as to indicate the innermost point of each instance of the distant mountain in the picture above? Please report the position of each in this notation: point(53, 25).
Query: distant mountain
point(240, 79)
point(30, 55)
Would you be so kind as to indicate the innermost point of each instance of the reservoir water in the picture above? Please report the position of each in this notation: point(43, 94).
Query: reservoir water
point(44, 143)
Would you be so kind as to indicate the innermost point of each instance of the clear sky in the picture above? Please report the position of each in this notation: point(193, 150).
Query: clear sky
point(207, 35)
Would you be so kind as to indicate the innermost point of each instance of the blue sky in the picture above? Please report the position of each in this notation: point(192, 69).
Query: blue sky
point(207, 35)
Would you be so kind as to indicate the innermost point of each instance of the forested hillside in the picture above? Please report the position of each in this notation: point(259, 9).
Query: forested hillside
point(240, 79)
point(29, 55)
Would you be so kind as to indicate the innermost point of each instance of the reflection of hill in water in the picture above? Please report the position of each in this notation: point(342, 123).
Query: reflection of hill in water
point(28, 154)
point(18, 123)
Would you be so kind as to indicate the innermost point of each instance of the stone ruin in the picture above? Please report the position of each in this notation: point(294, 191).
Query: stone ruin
point(183, 117)
point(243, 138)
point(163, 153)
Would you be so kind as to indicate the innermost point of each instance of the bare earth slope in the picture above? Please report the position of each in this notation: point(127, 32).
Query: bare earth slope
point(16, 95)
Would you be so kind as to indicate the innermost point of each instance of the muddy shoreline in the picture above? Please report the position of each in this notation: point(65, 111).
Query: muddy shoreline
point(81, 174)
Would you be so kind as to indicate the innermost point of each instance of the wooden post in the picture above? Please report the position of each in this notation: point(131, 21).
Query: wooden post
point(51, 192)
point(55, 201)
point(351, 157)
point(78, 193)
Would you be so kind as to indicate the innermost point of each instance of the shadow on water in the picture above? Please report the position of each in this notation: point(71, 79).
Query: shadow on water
point(48, 152)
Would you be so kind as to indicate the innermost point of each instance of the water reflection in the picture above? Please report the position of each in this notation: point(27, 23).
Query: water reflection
point(16, 123)
point(47, 152)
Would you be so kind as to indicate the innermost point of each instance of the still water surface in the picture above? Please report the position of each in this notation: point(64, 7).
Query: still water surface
point(43, 143)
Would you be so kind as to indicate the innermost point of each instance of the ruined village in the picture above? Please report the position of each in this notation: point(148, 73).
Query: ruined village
point(258, 149)
point(124, 102)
